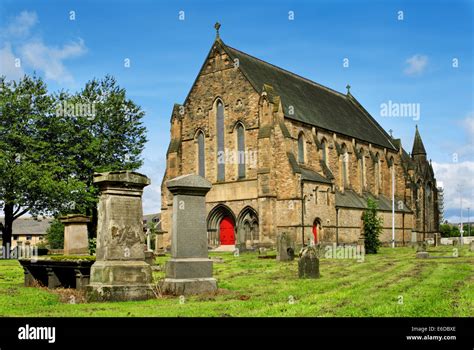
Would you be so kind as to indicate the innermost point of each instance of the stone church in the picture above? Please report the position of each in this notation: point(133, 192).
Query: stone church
point(286, 154)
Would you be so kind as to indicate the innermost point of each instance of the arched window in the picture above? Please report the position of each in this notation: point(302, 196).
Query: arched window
point(362, 169)
point(241, 150)
point(324, 151)
point(301, 148)
point(201, 154)
point(377, 173)
point(345, 166)
point(220, 142)
point(393, 181)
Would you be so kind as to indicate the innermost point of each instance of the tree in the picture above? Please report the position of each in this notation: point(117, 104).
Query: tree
point(51, 145)
point(445, 230)
point(372, 227)
point(31, 177)
point(55, 235)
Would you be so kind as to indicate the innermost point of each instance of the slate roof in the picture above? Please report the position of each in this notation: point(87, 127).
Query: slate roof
point(29, 226)
point(350, 199)
point(313, 103)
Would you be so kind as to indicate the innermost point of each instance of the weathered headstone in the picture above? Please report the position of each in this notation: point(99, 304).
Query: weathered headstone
point(189, 271)
point(120, 271)
point(308, 265)
point(75, 234)
point(159, 249)
point(421, 246)
point(285, 247)
point(414, 239)
point(422, 255)
point(437, 239)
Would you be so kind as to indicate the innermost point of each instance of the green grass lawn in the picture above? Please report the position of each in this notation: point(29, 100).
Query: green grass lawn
point(391, 283)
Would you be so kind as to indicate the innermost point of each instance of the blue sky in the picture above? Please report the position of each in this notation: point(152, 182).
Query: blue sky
point(403, 60)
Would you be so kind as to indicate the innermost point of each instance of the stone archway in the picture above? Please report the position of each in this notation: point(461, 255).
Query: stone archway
point(221, 218)
point(247, 228)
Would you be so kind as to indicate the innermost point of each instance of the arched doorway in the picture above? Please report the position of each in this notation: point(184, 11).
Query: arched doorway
point(221, 226)
point(316, 231)
point(226, 231)
point(247, 227)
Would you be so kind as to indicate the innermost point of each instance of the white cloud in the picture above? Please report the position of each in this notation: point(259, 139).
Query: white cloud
point(33, 52)
point(457, 179)
point(468, 124)
point(20, 25)
point(154, 169)
point(7, 64)
point(416, 65)
point(49, 59)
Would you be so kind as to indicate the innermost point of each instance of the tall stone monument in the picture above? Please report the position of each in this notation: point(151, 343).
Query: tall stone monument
point(120, 271)
point(76, 241)
point(189, 271)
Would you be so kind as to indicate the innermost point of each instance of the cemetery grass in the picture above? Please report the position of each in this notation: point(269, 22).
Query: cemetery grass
point(391, 283)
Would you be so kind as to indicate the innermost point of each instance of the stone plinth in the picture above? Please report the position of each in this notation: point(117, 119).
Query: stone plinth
point(120, 271)
point(189, 271)
point(75, 234)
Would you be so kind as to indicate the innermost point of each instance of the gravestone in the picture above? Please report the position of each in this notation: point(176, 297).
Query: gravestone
point(437, 239)
point(75, 234)
point(421, 246)
point(308, 265)
point(414, 238)
point(422, 255)
point(120, 271)
point(159, 249)
point(285, 247)
point(189, 271)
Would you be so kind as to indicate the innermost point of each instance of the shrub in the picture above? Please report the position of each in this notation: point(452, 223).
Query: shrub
point(372, 227)
point(55, 235)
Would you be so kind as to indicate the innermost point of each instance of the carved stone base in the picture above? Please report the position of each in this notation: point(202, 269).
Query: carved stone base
point(119, 281)
point(188, 286)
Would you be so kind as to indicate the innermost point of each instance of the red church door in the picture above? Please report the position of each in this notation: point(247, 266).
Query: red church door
point(227, 231)
point(315, 231)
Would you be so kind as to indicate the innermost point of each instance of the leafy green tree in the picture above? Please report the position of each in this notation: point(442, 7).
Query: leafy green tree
point(31, 177)
point(55, 235)
point(51, 145)
point(372, 227)
point(445, 230)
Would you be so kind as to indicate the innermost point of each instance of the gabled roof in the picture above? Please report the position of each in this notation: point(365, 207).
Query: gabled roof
point(418, 147)
point(311, 102)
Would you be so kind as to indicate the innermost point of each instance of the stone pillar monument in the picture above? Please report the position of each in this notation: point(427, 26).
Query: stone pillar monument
point(120, 271)
point(75, 234)
point(189, 271)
